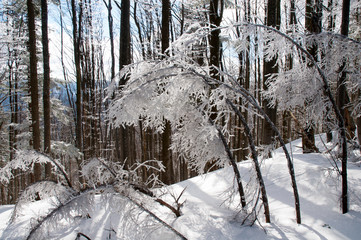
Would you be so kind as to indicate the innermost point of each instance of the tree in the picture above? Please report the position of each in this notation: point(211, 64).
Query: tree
point(123, 135)
point(168, 176)
point(357, 24)
point(77, 54)
point(15, 120)
point(33, 85)
point(111, 37)
point(342, 95)
point(125, 43)
point(270, 66)
point(215, 18)
point(46, 85)
point(241, 140)
point(313, 24)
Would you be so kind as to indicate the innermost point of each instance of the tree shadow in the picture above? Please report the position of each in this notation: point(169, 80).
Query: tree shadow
point(336, 222)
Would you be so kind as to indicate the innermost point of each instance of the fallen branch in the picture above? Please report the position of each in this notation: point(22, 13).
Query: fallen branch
point(82, 235)
point(144, 190)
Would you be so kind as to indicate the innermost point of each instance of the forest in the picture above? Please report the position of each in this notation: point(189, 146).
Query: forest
point(139, 95)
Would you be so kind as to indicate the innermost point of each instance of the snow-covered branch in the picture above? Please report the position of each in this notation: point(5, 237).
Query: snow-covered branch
point(25, 161)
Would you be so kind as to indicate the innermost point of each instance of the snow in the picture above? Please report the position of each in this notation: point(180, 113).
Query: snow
point(207, 215)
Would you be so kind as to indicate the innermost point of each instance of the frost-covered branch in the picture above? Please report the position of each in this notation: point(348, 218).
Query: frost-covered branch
point(41, 190)
point(79, 207)
point(255, 160)
point(328, 92)
point(234, 166)
point(188, 104)
point(76, 206)
point(25, 161)
point(245, 94)
point(113, 173)
point(158, 219)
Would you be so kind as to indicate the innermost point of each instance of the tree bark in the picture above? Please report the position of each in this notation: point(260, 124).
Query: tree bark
point(46, 84)
point(111, 37)
point(215, 18)
point(255, 161)
point(124, 48)
point(77, 53)
point(168, 177)
point(166, 8)
point(341, 95)
point(313, 24)
point(123, 134)
point(270, 67)
point(33, 85)
point(13, 120)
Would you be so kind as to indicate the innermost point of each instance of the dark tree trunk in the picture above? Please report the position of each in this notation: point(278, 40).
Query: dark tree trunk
point(137, 24)
point(46, 83)
point(358, 119)
point(341, 95)
point(77, 54)
point(168, 177)
point(13, 120)
point(313, 24)
point(313, 17)
point(215, 18)
point(77, 36)
point(124, 48)
point(166, 8)
point(111, 38)
point(270, 67)
point(123, 134)
point(33, 84)
point(330, 28)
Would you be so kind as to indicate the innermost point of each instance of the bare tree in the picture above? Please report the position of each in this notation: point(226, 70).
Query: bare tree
point(111, 37)
point(77, 54)
point(273, 19)
point(313, 25)
point(168, 176)
point(46, 84)
point(341, 95)
point(123, 135)
point(33, 85)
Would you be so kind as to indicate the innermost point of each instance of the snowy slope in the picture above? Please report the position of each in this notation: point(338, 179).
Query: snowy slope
point(207, 214)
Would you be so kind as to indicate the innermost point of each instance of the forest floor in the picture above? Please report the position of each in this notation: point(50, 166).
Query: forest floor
point(209, 213)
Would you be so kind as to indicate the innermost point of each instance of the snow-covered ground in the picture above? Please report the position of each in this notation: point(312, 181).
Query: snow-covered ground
point(208, 215)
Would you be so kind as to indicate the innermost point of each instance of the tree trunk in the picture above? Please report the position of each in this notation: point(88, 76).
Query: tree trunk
point(77, 29)
point(33, 84)
point(46, 84)
point(12, 92)
point(124, 48)
point(111, 37)
point(168, 177)
point(270, 67)
point(215, 18)
point(137, 24)
point(77, 53)
point(123, 134)
point(358, 119)
point(255, 161)
point(341, 95)
point(166, 8)
point(313, 24)
point(330, 27)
